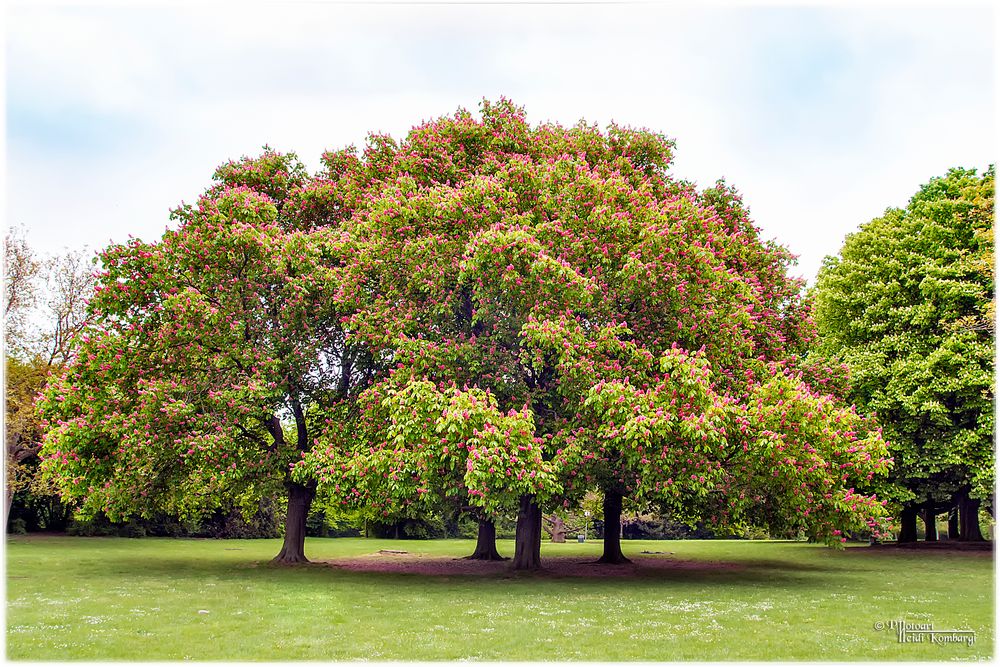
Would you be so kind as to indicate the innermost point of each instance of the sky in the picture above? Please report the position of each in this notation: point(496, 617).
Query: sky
point(822, 117)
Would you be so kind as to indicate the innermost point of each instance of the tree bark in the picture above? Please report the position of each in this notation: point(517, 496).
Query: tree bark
point(953, 523)
point(613, 529)
point(907, 525)
point(486, 542)
point(8, 500)
point(555, 527)
point(528, 539)
point(930, 523)
point(968, 519)
point(300, 499)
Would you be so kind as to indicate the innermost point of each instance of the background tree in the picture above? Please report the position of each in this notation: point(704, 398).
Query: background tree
point(44, 307)
point(908, 305)
point(21, 273)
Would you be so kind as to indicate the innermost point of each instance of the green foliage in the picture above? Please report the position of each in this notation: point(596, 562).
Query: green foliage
point(908, 306)
point(433, 443)
point(36, 506)
point(221, 524)
point(786, 458)
point(328, 519)
point(17, 527)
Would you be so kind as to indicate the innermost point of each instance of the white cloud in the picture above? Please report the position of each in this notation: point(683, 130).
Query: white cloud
point(823, 118)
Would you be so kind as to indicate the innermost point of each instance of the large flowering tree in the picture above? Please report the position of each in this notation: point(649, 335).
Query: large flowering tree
point(554, 311)
point(210, 355)
point(609, 325)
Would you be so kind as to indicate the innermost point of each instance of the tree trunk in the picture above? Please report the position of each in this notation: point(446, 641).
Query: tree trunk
point(613, 529)
point(930, 523)
point(9, 500)
point(968, 519)
point(953, 523)
point(556, 528)
point(528, 539)
point(299, 500)
point(486, 542)
point(907, 525)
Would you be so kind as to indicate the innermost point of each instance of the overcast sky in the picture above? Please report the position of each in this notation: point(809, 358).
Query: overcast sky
point(822, 117)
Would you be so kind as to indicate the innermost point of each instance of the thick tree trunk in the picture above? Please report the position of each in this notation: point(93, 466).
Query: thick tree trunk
point(907, 525)
point(613, 529)
point(953, 523)
point(299, 500)
point(528, 539)
point(930, 523)
point(968, 519)
point(486, 542)
point(8, 501)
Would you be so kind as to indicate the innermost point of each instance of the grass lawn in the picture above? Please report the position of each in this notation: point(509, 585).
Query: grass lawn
point(171, 599)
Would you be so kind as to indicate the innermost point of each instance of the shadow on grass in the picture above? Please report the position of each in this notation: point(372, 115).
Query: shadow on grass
point(932, 551)
point(446, 571)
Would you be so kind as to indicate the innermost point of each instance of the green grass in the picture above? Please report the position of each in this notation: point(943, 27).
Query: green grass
point(104, 598)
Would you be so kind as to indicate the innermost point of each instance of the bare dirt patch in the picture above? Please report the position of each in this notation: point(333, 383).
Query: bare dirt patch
point(552, 566)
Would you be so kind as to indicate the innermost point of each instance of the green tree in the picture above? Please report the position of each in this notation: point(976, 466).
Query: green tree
point(908, 305)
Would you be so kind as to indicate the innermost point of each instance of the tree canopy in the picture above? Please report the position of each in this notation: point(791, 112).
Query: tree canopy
point(616, 326)
point(486, 313)
point(909, 305)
